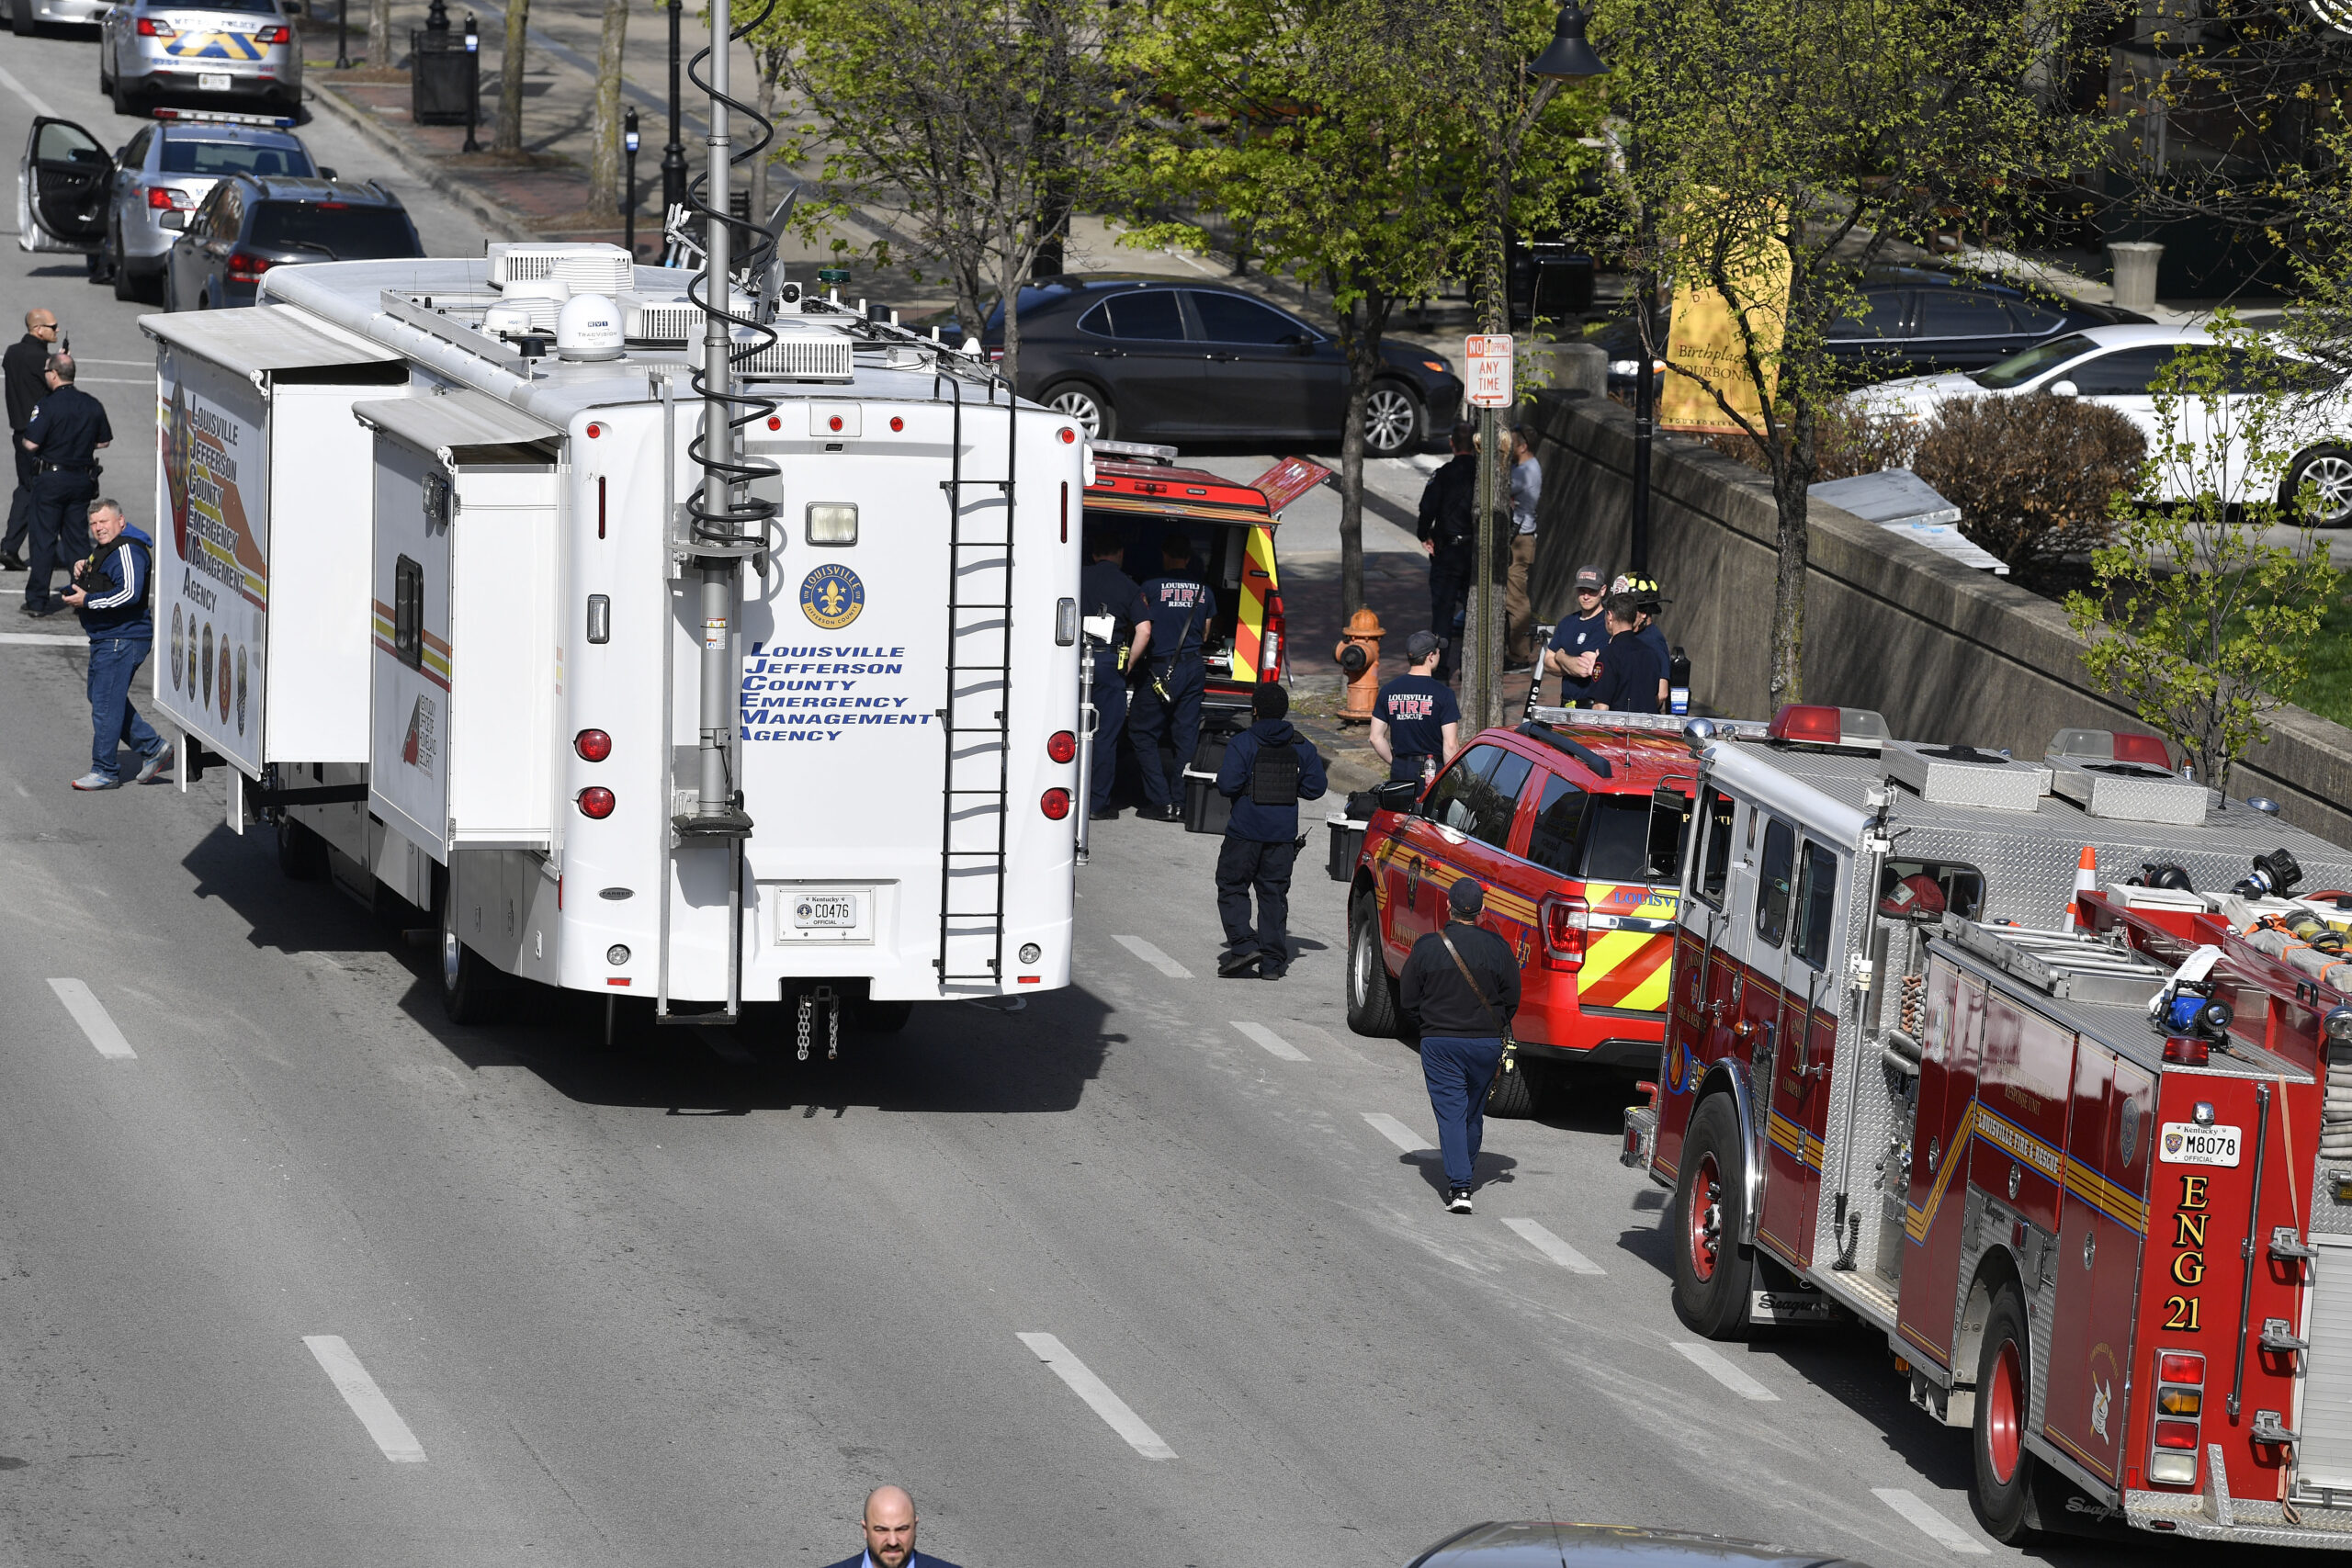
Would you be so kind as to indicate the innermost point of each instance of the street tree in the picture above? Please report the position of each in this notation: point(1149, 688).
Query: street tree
point(1774, 148)
point(2194, 618)
point(380, 33)
point(1349, 140)
point(980, 123)
point(508, 137)
point(605, 135)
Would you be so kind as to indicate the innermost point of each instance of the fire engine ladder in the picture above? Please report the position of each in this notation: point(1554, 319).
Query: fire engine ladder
point(975, 724)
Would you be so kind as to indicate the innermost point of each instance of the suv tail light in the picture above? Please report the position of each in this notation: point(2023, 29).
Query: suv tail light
point(244, 268)
point(2180, 1399)
point(1269, 649)
point(165, 198)
point(1566, 921)
point(150, 27)
point(274, 35)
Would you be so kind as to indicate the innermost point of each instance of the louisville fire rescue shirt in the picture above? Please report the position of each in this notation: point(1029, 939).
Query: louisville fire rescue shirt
point(1417, 709)
point(1177, 607)
point(1627, 681)
point(1577, 636)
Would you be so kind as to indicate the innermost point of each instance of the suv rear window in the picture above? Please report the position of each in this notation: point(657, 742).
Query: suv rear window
point(182, 157)
point(1624, 841)
point(344, 232)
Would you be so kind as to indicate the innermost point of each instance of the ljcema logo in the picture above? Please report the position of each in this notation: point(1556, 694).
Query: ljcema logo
point(831, 596)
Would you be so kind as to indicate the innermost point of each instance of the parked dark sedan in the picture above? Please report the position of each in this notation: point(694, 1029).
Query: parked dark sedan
point(1914, 320)
point(1152, 359)
point(247, 224)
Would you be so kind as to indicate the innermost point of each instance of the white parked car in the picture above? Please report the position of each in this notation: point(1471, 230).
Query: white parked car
point(2115, 368)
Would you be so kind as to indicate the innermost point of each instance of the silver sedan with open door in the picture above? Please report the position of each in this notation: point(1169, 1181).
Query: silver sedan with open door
point(63, 184)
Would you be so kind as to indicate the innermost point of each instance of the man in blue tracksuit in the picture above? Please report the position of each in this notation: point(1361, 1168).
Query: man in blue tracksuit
point(112, 588)
point(1269, 769)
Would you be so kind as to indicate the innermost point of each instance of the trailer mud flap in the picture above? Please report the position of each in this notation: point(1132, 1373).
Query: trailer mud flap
point(1790, 1306)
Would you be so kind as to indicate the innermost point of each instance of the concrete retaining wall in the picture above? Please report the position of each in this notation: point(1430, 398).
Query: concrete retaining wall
point(1945, 653)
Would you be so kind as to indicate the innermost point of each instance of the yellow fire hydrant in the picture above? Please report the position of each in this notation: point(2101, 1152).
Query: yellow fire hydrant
point(1359, 658)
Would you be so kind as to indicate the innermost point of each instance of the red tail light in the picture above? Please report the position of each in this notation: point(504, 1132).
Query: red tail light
point(2183, 1052)
point(1269, 650)
point(274, 35)
point(2144, 749)
point(150, 27)
point(163, 198)
point(2173, 1366)
point(2177, 1434)
point(1565, 918)
point(1056, 804)
point(1062, 747)
point(596, 801)
point(244, 269)
point(593, 745)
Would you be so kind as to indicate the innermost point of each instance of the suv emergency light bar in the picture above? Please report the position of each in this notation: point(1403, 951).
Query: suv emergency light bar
point(217, 116)
point(1656, 723)
point(1808, 724)
point(1535, 730)
point(1137, 451)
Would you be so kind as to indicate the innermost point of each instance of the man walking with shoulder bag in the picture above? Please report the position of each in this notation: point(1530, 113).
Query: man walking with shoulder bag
point(1463, 982)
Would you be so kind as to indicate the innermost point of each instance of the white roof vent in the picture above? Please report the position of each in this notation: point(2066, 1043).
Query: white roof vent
point(801, 354)
point(589, 329)
point(588, 268)
point(675, 322)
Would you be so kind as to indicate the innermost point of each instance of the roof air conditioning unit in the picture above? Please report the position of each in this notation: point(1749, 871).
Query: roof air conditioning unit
point(675, 322)
point(588, 268)
point(801, 355)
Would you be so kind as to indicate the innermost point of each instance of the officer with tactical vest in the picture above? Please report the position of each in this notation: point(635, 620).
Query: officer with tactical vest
point(1105, 590)
point(1269, 769)
point(113, 588)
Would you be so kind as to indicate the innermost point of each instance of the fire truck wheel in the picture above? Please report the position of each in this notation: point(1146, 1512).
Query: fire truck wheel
point(1712, 1269)
point(467, 984)
point(1372, 992)
point(1512, 1097)
point(2006, 1471)
point(301, 854)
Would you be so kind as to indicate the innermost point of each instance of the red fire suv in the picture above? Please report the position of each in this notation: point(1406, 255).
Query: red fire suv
point(1576, 833)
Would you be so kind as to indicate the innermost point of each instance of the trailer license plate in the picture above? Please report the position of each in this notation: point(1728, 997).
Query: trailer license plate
point(2186, 1142)
point(212, 82)
point(835, 911)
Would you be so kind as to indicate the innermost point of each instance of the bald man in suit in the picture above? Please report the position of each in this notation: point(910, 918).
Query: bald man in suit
point(888, 1524)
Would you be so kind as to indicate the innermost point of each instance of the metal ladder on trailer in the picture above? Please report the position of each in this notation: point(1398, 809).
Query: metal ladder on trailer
point(975, 724)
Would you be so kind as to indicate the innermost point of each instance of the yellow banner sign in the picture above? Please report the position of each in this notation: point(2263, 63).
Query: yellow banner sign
point(1708, 352)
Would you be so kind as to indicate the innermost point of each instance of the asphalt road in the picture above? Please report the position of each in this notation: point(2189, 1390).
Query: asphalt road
point(1153, 1271)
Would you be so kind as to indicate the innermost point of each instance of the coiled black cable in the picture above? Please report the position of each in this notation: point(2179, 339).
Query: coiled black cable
point(742, 524)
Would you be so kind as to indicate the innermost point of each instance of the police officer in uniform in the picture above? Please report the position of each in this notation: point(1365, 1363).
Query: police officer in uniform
point(24, 370)
point(1269, 768)
point(64, 434)
point(1172, 616)
point(1630, 679)
point(1448, 528)
point(1105, 590)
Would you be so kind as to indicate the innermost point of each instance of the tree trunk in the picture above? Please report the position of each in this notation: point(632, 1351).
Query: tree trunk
point(605, 135)
point(1361, 326)
point(769, 63)
point(1799, 462)
point(1011, 280)
point(509, 139)
point(380, 33)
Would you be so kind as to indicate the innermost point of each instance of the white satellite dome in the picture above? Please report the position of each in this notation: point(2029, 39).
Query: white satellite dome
point(589, 329)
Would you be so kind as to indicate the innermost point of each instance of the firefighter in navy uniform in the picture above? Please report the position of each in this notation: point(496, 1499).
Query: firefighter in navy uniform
point(1105, 590)
point(1269, 768)
point(66, 430)
point(1172, 616)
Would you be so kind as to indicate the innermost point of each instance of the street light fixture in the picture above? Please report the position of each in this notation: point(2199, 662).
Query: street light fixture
point(673, 156)
point(342, 36)
point(1567, 59)
point(629, 146)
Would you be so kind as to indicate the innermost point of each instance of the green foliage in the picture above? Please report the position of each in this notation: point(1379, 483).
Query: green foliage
point(1808, 138)
point(977, 126)
point(2196, 622)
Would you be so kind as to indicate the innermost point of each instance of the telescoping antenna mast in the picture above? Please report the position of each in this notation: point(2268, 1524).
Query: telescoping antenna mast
point(727, 523)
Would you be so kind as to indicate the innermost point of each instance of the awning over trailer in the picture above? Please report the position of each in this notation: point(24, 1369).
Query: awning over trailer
point(458, 422)
point(265, 338)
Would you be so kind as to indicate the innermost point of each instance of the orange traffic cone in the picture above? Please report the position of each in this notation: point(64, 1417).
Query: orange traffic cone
point(2086, 881)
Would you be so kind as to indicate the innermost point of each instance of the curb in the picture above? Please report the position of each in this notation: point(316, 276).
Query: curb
point(501, 221)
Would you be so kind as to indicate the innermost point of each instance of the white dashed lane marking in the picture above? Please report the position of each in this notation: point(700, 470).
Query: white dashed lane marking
point(91, 1014)
point(1553, 1247)
point(32, 99)
point(367, 1401)
point(1099, 1398)
point(1274, 1044)
point(1396, 1132)
point(1931, 1524)
point(1712, 1363)
point(1154, 957)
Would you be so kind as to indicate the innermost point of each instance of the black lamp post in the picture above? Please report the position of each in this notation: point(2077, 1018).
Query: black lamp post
point(673, 156)
point(343, 35)
point(473, 81)
point(628, 209)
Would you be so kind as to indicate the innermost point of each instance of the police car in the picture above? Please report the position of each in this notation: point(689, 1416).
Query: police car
point(1576, 833)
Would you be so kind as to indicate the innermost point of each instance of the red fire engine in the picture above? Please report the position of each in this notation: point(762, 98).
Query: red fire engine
point(2067, 1150)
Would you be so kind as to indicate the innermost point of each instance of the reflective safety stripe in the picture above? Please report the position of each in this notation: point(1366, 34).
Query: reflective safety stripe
point(1625, 969)
point(1257, 585)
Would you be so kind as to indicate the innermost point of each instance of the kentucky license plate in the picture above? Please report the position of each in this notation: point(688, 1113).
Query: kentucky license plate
point(2186, 1142)
point(824, 911)
point(212, 82)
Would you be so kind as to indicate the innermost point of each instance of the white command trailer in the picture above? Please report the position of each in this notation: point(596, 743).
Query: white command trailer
point(440, 605)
